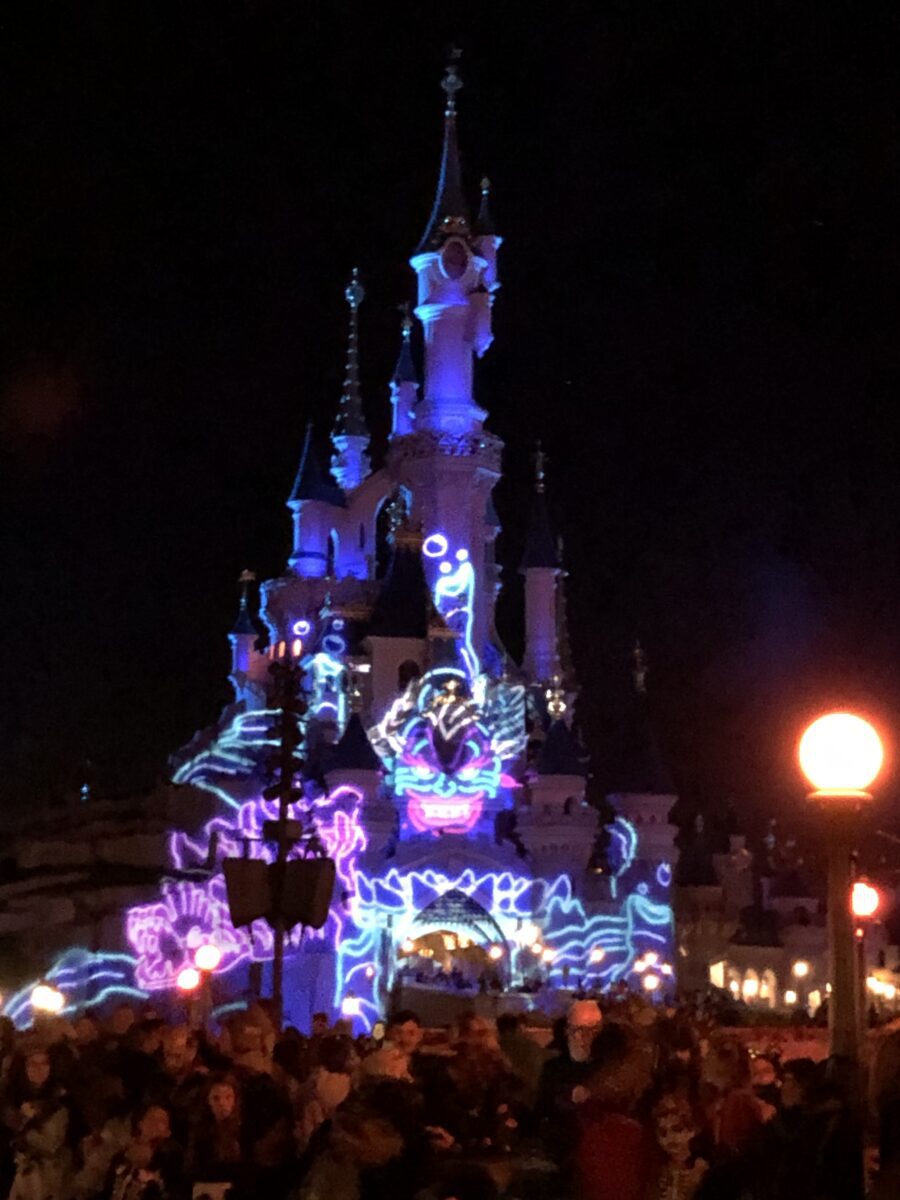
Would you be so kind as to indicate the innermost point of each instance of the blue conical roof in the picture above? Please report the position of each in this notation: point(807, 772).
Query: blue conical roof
point(561, 754)
point(311, 482)
point(354, 750)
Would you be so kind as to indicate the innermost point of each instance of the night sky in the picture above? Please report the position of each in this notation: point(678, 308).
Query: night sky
point(699, 317)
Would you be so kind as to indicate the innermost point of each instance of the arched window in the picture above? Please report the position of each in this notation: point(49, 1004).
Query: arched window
point(391, 512)
point(750, 986)
point(332, 556)
point(768, 988)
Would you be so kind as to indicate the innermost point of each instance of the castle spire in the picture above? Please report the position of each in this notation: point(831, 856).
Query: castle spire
point(484, 222)
point(244, 623)
point(540, 545)
point(540, 566)
point(350, 462)
point(405, 381)
point(451, 212)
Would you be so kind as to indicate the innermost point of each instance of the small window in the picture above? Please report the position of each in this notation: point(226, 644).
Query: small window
point(362, 536)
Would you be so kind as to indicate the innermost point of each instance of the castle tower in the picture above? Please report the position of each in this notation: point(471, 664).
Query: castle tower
point(350, 462)
point(448, 461)
point(316, 504)
point(248, 665)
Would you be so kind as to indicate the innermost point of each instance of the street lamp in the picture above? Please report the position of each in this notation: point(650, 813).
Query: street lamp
point(800, 969)
point(841, 754)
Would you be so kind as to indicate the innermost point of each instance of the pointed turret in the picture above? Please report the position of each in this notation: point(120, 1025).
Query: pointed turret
point(354, 750)
point(313, 500)
point(450, 214)
point(350, 461)
point(247, 663)
point(639, 766)
point(560, 753)
point(456, 280)
point(641, 784)
point(540, 544)
point(403, 604)
point(404, 382)
point(540, 566)
point(484, 222)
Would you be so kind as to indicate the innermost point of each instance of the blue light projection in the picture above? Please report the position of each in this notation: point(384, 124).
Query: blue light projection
point(454, 595)
point(83, 977)
point(435, 727)
point(389, 906)
point(328, 698)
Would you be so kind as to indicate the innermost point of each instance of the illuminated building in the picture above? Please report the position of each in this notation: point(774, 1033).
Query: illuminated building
point(446, 781)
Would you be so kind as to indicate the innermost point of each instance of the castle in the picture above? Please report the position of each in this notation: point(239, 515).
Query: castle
point(445, 781)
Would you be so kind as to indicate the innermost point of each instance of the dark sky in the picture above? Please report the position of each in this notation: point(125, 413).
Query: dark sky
point(701, 205)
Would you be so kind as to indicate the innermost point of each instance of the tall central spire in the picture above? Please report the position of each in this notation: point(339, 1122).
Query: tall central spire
point(350, 462)
point(451, 212)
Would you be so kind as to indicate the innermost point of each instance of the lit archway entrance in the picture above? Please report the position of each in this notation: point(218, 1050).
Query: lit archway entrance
point(454, 942)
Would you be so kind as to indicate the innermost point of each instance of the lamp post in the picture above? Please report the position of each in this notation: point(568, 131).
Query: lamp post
point(865, 901)
point(841, 754)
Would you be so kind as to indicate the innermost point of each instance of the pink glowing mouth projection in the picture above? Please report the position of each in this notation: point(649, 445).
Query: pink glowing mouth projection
point(450, 814)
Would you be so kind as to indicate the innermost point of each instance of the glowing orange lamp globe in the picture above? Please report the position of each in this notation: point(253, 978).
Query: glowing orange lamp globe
point(840, 753)
point(865, 900)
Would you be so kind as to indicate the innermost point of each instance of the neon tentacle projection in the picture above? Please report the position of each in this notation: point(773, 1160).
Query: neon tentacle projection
point(164, 934)
point(388, 908)
point(454, 594)
point(83, 977)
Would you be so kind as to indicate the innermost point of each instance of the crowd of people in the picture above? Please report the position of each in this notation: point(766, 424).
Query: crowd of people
point(631, 1102)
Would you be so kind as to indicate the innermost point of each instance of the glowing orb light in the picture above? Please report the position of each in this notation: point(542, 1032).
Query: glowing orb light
point(597, 955)
point(495, 953)
point(865, 900)
point(650, 982)
point(790, 996)
point(800, 969)
point(840, 752)
point(207, 957)
point(188, 979)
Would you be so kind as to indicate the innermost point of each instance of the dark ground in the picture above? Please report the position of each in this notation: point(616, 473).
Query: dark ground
point(701, 205)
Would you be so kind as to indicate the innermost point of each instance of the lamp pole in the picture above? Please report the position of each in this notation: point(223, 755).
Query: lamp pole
point(841, 754)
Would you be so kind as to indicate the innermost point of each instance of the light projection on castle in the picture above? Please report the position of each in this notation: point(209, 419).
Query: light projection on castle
point(447, 781)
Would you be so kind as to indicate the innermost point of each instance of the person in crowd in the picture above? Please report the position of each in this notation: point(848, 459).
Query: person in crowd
point(615, 1152)
point(523, 1053)
point(149, 1167)
point(677, 1130)
point(329, 1085)
point(39, 1118)
point(217, 1152)
point(563, 1079)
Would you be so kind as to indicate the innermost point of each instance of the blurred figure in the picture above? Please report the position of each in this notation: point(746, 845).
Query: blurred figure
point(614, 1155)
